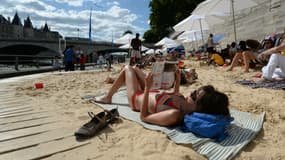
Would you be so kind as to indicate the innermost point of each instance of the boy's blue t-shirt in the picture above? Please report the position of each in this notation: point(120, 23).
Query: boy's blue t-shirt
point(69, 55)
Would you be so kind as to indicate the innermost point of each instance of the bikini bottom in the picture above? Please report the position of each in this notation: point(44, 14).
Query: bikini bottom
point(134, 108)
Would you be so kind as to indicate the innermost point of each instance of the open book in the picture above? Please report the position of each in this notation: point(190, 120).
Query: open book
point(163, 75)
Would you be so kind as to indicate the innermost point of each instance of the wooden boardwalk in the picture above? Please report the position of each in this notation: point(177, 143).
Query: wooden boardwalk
point(29, 133)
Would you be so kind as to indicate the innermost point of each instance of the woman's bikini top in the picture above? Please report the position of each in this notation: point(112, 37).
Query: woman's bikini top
point(167, 100)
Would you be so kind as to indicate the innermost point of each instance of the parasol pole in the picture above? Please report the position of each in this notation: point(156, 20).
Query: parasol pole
point(234, 20)
point(202, 34)
point(195, 42)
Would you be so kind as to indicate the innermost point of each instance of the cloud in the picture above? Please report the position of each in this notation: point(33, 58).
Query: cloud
point(113, 3)
point(71, 2)
point(66, 21)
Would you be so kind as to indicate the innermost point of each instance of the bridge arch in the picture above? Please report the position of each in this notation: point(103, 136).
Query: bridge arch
point(27, 49)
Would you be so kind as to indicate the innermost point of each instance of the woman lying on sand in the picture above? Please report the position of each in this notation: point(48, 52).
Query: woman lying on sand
point(161, 108)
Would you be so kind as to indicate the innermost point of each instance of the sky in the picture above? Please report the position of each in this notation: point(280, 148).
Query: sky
point(71, 17)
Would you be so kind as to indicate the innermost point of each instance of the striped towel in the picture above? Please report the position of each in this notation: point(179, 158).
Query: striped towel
point(241, 131)
point(280, 84)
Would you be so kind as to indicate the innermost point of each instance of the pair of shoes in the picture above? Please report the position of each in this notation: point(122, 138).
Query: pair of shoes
point(97, 123)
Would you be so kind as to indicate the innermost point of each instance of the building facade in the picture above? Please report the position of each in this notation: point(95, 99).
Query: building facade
point(16, 30)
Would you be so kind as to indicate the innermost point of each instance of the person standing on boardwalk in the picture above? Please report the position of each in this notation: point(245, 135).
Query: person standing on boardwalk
point(82, 61)
point(136, 50)
point(70, 59)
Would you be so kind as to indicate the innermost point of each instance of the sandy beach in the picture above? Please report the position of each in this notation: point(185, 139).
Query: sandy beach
point(124, 139)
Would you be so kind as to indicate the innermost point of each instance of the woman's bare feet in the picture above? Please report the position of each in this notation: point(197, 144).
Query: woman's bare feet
point(262, 80)
point(109, 80)
point(104, 99)
point(279, 79)
point(230, 69)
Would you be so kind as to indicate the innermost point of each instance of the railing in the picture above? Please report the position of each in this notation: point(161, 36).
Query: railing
point(27, 61)
point(14, 63)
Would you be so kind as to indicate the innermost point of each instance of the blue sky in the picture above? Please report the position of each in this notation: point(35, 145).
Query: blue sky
point(109, 17)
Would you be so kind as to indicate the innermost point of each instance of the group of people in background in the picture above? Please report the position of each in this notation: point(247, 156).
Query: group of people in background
point(269, 54)
point(74, 58)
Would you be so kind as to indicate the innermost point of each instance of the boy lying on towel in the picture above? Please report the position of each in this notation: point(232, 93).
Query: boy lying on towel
point(166, 109)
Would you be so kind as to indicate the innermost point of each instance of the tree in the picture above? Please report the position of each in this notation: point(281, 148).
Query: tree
point(127, 32)
point(165, 14)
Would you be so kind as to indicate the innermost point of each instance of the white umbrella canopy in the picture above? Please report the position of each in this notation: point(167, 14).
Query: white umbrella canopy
point(194, 34)
point(144, 48)
point(165, 41)
point(171, 45)
point(226, 7)
point(198, 22)
point(188, 40)
point(222, 6)
point(125, 46)
point(128, 45)
point(150, 51)
point(119, 53)
point(127, 38)
point(191, 37)
point(157, 51)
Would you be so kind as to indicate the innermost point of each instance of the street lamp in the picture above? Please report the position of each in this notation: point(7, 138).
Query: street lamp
point(78, 33)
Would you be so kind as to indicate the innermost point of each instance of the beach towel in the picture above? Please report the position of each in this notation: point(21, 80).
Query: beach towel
point(240, 132)
point(265, 84)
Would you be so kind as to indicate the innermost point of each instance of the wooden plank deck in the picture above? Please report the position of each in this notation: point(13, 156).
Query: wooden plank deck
point(27, 132)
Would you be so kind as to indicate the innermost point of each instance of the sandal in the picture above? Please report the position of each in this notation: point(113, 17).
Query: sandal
point(97, 123)
point(112, 115)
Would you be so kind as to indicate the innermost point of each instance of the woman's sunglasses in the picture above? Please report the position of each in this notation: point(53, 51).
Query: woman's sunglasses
point(193, 95)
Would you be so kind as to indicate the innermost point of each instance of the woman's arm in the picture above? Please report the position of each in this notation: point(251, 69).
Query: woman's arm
point(270, 51)
point(177, 81)
point(144, 105)
point(165, 118)
point(168, 117)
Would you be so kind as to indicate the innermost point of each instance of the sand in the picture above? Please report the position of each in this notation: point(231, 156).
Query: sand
point(127, 140)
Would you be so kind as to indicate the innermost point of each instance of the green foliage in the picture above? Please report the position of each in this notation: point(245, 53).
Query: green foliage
point(128, 31)
point(165, 14)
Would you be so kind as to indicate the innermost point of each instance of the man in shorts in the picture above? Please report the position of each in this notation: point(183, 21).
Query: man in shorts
point(136, 50)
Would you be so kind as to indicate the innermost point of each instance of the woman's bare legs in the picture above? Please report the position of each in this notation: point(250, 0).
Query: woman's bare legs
point(247, 56)
point(245, 61)
point(237, 57)
point(127, 76)
point(140, 75)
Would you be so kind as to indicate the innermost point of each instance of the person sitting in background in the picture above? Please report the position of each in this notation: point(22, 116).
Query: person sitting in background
point(225, 52)
point(216, 59)
point(232, 51)
point(239, 55)
point(275, 68)
point(246, 54)
point(162, 108)
point(268, 43)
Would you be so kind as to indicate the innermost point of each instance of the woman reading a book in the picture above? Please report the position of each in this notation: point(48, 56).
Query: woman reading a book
point(161, 108)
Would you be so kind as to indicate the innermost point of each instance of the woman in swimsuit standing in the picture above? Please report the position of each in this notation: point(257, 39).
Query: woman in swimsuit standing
point(161, 108)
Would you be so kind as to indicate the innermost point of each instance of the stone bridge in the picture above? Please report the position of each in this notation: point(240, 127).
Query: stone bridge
point(52, 47)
